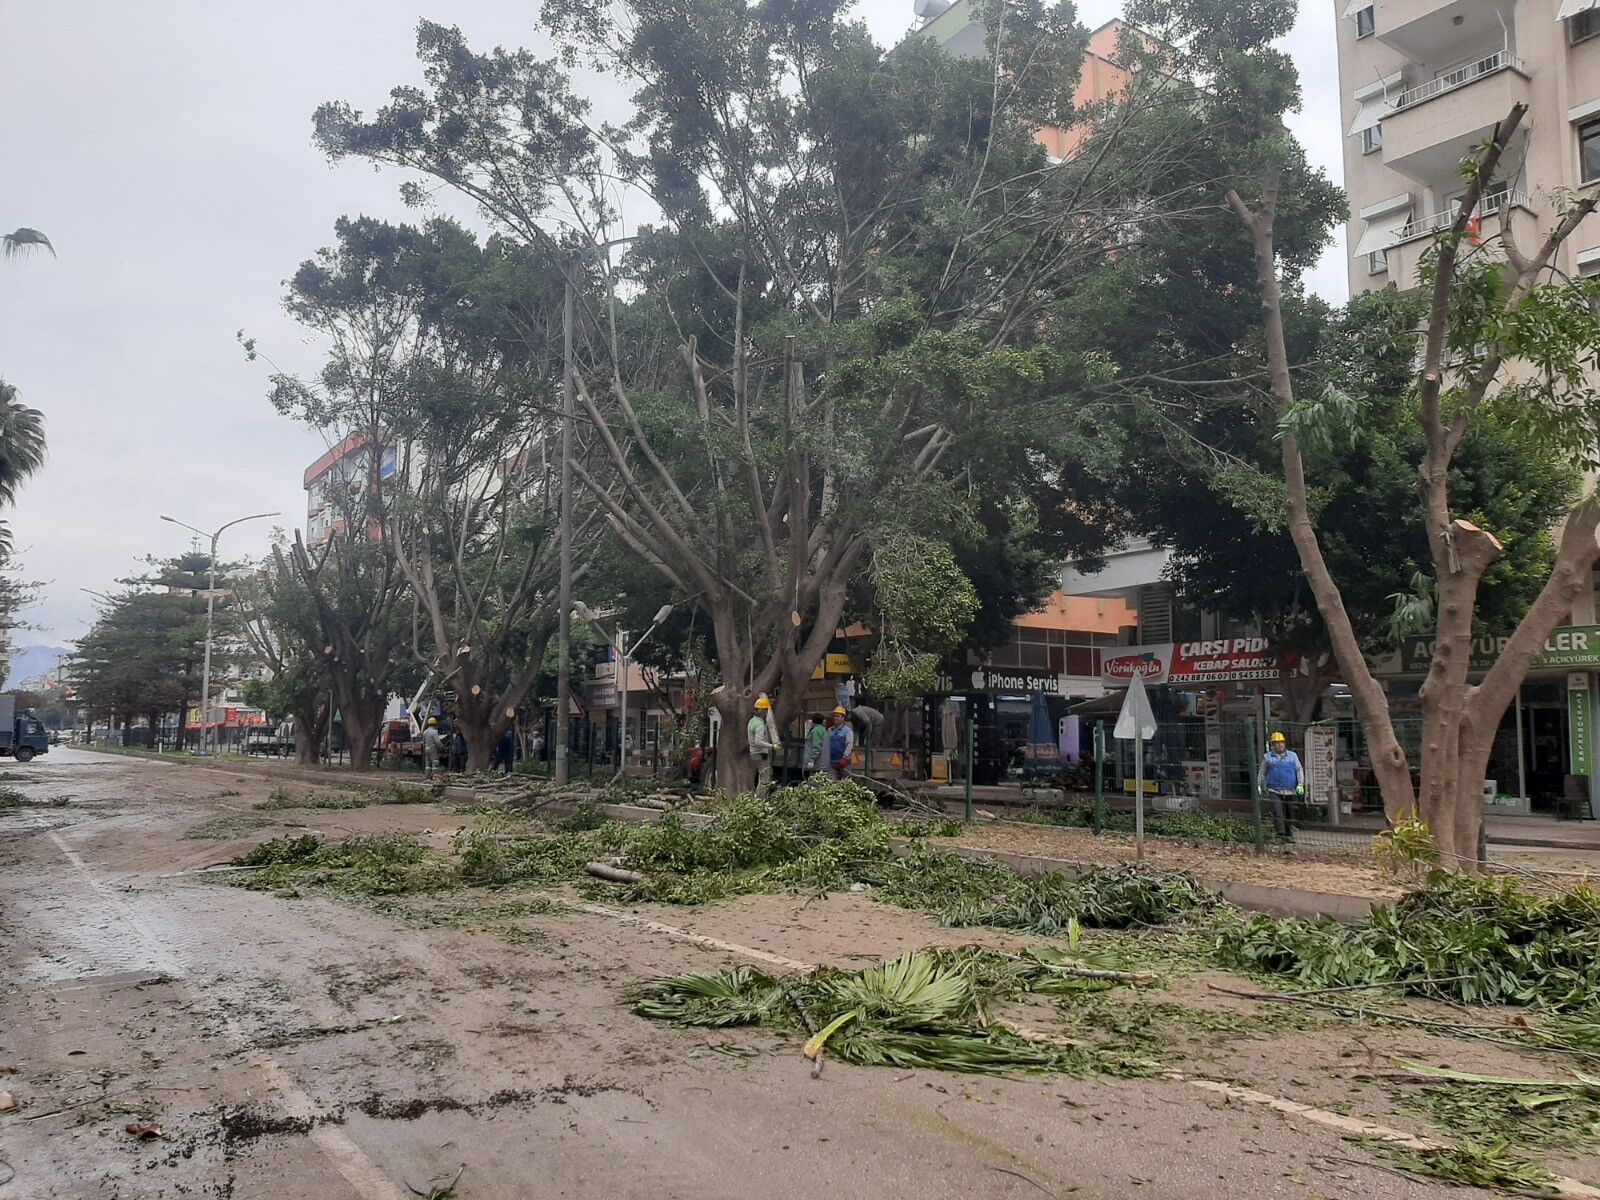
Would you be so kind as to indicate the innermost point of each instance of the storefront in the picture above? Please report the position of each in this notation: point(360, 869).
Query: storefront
point(1543, 754)
point(1001, 704)
point(1213, 701)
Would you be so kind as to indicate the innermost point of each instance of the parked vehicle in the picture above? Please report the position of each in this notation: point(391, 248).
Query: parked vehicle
point(21, 734)
point(278, 743)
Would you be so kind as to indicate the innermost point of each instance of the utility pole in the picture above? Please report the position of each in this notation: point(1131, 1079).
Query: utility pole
point(564, 630)
point(211, 606)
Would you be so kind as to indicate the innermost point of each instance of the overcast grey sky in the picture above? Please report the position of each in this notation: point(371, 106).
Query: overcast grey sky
point(164, 146)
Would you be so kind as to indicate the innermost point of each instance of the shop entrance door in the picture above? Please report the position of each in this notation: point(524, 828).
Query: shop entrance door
point(1545, 749)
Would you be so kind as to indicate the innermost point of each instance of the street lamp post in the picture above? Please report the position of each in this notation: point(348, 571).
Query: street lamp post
point(624, 655)
point(211, 605)
point(564, 598)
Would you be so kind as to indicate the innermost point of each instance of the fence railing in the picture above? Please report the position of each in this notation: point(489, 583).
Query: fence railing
point(1440, 221)
point(1460, 77)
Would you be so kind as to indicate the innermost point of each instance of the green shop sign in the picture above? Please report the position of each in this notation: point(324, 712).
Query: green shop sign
point(1571, 646)
point(1579, 717)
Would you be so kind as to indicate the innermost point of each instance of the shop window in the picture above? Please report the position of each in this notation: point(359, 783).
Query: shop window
point(1080, 660)
point(1034, 657)
point(1366, 22)
point(1589, 151)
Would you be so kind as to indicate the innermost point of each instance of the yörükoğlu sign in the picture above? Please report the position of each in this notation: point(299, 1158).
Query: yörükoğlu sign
point(1179, 664)
point(1568, 647)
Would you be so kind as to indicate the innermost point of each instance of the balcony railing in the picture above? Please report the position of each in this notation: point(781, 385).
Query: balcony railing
point(1440, 221)
point(1460, 77)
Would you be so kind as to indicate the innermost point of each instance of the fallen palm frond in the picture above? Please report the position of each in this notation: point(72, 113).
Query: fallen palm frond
point(927, 1008)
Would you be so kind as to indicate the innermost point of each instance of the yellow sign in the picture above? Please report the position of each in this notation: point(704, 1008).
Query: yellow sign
point(838, 664)
point(817, 672)
point(1149, 787)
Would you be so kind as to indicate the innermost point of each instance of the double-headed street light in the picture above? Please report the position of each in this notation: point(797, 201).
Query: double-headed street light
point(624, 654)
point(211, 601)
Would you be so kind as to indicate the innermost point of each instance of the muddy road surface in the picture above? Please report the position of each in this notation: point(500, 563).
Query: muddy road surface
point(165, 1035)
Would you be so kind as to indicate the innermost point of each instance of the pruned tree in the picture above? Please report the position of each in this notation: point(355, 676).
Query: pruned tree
point(361, 297)
point(838, 332)
point(279, 624)
point(1504, 335)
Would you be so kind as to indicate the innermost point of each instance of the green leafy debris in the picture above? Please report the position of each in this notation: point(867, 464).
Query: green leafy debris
point(927, 1008)
point(1493, 1164)
point(1473, 939)
point(376, 865)
point(964, 892)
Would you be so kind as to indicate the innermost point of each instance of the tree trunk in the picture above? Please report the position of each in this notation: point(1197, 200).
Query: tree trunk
point(1388, 758)
point(481, 742)
point(309, 727)
point(736, 770)
point(361, 720)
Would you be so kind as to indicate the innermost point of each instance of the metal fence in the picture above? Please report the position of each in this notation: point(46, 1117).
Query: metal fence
point(1202, 781)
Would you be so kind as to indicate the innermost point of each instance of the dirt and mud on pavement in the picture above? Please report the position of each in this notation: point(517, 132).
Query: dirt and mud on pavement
point(168, 1035)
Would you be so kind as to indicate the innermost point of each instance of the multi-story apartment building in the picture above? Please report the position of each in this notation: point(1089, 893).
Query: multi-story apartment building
point(1424, 82)
point(334, 477)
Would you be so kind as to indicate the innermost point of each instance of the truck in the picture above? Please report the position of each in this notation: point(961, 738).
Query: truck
point(21, 734)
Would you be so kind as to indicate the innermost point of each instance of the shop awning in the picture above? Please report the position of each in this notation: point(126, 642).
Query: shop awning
point(1108, 705)
point(1575, 8)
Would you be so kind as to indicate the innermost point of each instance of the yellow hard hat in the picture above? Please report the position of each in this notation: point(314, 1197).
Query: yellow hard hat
point(840, 712)
point(433, 720)
point(763, 703)
point(1277, 737)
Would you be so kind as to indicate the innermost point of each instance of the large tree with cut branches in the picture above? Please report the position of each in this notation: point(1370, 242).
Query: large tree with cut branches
point(836, 336)
point(360, 297)
point(474, 527)
point(1505, 337)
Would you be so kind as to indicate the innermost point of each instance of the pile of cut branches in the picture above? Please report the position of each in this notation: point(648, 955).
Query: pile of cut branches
point(964, 892)
point(1472, 939)
point(927, 1008)
point(810, 835)
point(375, 865)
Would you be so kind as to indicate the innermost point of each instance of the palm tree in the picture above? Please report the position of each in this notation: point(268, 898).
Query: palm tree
point(22, 240)
point(21, 442)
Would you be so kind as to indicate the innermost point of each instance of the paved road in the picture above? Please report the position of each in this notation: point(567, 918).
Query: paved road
point(306, 1048)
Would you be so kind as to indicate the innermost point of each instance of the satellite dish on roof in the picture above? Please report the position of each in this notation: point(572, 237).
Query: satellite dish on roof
point(929, 9)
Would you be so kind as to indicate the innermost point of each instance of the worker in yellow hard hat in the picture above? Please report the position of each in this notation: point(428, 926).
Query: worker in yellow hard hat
point(1281, 779)
point(761, 734)
point(841, 744)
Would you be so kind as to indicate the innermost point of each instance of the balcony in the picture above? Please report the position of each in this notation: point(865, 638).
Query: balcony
point(1430, 30)
point(1438, 222)
point(1463, 76)
point(1412, 242)
point(1434, 125)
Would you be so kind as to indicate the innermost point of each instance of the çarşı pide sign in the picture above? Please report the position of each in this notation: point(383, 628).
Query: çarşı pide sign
point(1181, 664)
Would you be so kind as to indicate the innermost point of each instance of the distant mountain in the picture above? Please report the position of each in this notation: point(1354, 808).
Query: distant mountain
point(28, 661)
